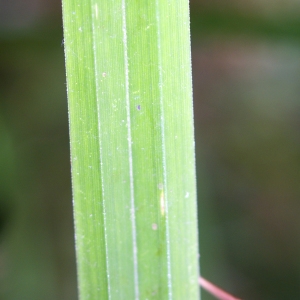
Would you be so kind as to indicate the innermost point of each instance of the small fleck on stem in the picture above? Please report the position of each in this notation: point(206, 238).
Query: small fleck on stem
point(215, 291)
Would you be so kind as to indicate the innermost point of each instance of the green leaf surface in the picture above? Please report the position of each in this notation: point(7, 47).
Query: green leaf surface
point(132, 148)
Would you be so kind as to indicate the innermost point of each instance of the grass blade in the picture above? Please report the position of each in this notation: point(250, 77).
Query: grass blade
point(132, 146)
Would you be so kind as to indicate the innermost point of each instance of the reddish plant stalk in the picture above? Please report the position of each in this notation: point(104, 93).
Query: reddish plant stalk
point(215, 291)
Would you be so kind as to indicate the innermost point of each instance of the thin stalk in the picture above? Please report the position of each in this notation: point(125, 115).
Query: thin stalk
point(215, 291)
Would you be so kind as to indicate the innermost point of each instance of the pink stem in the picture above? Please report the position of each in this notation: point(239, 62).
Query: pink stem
point(215, 291)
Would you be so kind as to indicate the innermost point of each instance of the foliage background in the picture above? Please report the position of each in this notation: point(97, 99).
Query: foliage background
point(246, 65)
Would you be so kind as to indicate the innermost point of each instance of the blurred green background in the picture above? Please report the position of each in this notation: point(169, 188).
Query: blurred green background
point(246, 72)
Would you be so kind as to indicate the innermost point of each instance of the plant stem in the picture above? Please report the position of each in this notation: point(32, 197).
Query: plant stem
point(215, 291)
